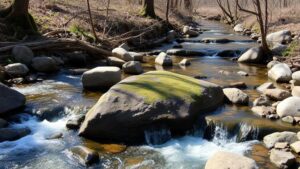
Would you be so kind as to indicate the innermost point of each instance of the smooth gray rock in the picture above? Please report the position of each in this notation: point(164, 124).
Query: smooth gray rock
point(114, 61)
point(288, 119)
point(16, 70)
point(84, 155)
point(133, 67)
point(163, 59)
point(262, 101)
point(22, 54)
point(289, 107)
point(280, 37)
point(280, 73)
point(10, 100)
point(121, 53)
point(277, 94)
point(263, 111)
point(236, 96)
point(12, 134)
point(253, 55)
point(282, 159)
point(101, 77)
point(263, 87)
point(44, 64)
point(286, 136)
point(272, 63)
point(75, 122)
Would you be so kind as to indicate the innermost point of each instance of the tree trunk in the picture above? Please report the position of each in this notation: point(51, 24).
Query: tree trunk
point(148, 9)
point(18, 16)
point(167, 11)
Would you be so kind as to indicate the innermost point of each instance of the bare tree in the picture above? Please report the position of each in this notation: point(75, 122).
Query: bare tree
point(148, 9)
point(226, 7)
point(17, 14)
point(262, 17)
point(91, 20)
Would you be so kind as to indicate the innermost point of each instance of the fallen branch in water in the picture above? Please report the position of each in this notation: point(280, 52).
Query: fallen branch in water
point(60, 45)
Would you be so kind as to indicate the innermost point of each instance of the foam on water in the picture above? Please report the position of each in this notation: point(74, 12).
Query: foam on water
point(37, 139)
point(193, 152)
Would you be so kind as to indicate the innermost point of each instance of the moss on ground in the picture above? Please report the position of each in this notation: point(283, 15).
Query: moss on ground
point(291, 48)
point(163, 85)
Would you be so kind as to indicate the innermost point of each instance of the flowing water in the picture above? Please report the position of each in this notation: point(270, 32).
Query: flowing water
point(230, 128)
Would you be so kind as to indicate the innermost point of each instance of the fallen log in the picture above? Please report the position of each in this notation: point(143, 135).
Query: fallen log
point(59, 45)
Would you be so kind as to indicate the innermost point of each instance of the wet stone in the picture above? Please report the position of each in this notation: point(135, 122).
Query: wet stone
point(12, 134)
point(281, 145)
point(288, 119)
point(84, 155)
point(282, 159)
point(54, 136)
point(273, 116)
point(74, 123)
point(296, 147)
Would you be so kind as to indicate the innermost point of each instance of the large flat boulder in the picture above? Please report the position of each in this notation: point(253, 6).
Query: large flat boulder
point(10, 100)
point(153, 99)
point(101, 77)
point(227, 160)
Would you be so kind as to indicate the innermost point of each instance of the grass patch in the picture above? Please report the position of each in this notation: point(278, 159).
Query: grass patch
point(79, 31)
point(293, 46)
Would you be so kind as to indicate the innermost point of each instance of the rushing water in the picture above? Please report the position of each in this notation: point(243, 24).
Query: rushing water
point(231, 126)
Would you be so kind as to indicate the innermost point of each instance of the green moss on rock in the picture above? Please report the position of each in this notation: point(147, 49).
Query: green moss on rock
point(163, 85)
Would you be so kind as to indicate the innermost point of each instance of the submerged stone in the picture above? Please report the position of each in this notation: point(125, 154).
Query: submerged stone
point(84, 155)
point(157, 98)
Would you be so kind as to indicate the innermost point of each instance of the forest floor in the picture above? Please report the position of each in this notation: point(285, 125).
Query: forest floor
point(117, 24)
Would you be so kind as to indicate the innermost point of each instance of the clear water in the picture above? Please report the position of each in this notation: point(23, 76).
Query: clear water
point(35, 151)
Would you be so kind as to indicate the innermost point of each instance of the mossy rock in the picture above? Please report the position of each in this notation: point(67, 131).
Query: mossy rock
point(154, 99)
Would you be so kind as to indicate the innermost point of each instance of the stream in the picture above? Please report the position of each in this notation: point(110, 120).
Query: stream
point(231, 128)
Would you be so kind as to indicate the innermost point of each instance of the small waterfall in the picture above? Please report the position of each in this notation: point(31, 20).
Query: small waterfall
point(157, 136)
point(247, 132)
point(222, 136)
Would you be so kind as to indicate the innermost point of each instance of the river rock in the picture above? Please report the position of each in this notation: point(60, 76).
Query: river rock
point(149, 100)
point(278, 49)
point(54, 136)
point(280, 37)
point(281, 146)
point(227, 160)
point(236, 96)
point(114, 61)
point(272, 63)
point(122, 54)
point(282, 159)
point(12, 134)
point(239, 85)
point(133, 67)
point(296, 147)
point(75, 122)
point(101, 77)
point(242, 73)
point(84, 155)
point(280, 73)
point(185, 62)
point(288, 119)
point(188, 31)
point(277, 94)
point(253, 55)
point(296, 91)
point(289, 107)
point(22, 54)
point(3, 123)
point(286, 136)
point(215, 40)
point(136, 56)
point(44, 64)
point(185, 52)
point(171, 36)
point(262, 101)
point(263, 87)
point(164, 59)
point(263, 111)
point(238, 28)
point(10, 100)
point(296, 78)
point(16, 70)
